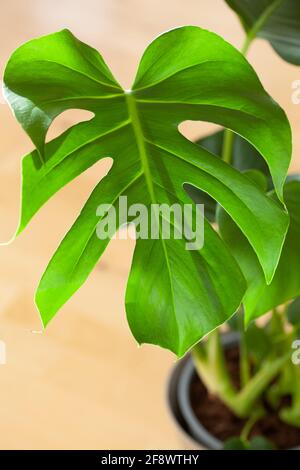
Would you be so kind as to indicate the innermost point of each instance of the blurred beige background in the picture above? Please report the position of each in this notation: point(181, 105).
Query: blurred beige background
point(83, 383)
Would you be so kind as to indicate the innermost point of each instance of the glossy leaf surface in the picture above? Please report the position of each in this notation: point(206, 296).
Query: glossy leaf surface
point(174, 296)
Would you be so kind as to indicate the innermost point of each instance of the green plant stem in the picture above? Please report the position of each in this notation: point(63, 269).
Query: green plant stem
point(285, 385)
point(228, 141)
point(291, 415)
point(212, 369)
point(289, 383)
point(258, 25)
point(296, 397)
point(244, 359)
point(246, 398)
point(277, 323)
point(250, 423)
point(282, 347)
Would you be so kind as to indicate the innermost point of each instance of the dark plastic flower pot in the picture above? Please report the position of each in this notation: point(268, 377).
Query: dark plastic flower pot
point(194, 433)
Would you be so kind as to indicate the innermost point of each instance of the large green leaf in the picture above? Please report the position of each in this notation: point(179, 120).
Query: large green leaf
point(174, 296)
point(260, 297)
point(282, 28)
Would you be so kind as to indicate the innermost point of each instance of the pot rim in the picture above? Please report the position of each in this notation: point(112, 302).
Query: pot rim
point(196, 427)
point(172, 402)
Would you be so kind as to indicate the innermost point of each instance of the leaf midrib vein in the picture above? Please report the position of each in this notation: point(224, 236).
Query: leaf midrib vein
point(140, 140)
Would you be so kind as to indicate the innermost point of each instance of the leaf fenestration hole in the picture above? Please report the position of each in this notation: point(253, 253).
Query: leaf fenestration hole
point(66, 120)
point(194, 130)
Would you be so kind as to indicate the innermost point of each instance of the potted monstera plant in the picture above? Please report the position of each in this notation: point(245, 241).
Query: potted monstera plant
point(241, 392)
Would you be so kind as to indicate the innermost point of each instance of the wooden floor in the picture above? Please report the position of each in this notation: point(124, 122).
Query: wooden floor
point(84, 383)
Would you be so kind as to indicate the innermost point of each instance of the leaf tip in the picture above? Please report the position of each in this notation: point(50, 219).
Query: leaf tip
point(44, 313)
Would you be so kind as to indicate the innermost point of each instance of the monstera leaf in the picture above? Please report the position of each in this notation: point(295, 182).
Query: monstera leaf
point(281, 29)
point(174, 296)
point(260, 297)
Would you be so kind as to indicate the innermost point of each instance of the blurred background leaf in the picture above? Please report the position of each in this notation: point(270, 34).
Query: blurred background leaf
point(244, 157)
point(260, 297)
point(282, 29)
